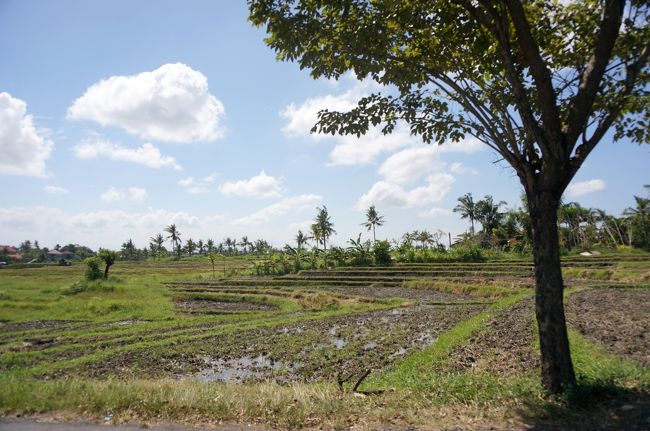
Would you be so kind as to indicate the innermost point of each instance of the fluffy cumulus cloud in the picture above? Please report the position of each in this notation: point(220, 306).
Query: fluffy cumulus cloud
point(147, 154)
point(134, 194)
point(287, 205)
point(99, 228)
point(385, 194)
point(170, 104)
point(54, 190)
point(350, 149)
point(197, 186)
point(410, 164)
point(259, 186)
point(585, 187)
point(24, 150)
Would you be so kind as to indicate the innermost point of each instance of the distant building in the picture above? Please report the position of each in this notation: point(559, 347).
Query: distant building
point(58, 255)
point(11, 252)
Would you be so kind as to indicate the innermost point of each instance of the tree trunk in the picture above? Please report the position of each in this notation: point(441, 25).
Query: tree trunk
point(106, 271)
point(557, 369)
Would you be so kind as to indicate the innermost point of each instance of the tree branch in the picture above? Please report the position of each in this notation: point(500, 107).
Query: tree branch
point(579, 109)
point(541, 74)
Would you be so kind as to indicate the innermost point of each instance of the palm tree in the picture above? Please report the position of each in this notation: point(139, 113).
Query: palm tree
point(424, 237)
point(229, 244)
point(190, 245)
point(244, 243)
point(486, 211)
point(200, 246)
point(467, 209)
point(373, 219)
point(175, 236)
point(210, 246)
point(302, 239)
point(323, 227)
point(157, 244)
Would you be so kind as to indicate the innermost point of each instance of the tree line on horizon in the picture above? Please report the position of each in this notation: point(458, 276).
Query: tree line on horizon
point(501, 230)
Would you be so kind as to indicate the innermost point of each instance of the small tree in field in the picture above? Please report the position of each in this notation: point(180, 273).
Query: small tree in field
point(108, 257)
point(539, 82)
point(92, 268)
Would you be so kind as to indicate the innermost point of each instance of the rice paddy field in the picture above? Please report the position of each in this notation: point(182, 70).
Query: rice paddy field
point(425, 346)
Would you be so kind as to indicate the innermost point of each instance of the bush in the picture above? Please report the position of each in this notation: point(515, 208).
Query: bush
point(381, 253)
point(93, 271)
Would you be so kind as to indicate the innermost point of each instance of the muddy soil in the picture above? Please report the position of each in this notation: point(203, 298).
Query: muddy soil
point(504, 347)
point(310, 350)
point(194, 305)
point(399, 292)
point(618, 318)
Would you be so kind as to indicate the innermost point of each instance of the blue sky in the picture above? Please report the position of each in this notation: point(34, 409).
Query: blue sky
point(121, 117)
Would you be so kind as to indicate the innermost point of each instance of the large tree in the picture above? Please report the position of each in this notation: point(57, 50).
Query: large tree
point(539, 82)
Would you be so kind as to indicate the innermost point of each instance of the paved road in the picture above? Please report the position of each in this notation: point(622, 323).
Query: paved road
point(33, 425)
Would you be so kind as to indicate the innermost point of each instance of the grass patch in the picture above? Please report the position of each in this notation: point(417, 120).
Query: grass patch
point(467, 289)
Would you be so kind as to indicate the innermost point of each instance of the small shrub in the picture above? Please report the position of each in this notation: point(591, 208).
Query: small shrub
point(381, 253)
point(93, 271)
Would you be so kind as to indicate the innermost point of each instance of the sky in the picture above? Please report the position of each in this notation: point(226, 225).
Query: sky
point(119, 118)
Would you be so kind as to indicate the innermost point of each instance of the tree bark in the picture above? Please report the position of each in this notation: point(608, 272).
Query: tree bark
point(557, 368)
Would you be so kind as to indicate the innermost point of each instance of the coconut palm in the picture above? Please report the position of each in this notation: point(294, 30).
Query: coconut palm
point(488, 213)
point(175, 237)
point(323, 227)
point(302, 239)
point(190, 246)
point(373, 219)
point(156, 244)
point(209, 246)
point(467, 209)
point(200, 246)
point(244, 243)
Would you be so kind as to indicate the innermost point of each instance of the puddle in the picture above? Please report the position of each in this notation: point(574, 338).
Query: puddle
point(339, 343)
point(369, 346)
point(400, 352)
point(333, 330)
point(240, 369)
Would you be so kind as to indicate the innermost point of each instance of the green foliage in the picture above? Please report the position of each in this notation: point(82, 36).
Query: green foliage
point(92, 268)
point(381, 253)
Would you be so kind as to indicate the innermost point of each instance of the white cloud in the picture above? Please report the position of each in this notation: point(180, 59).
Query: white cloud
point(435, 212)
point(410, 164)
point(171, 104)
point(137, 194)
point(259, 186)
point(54, 190)
point(99, 228)
point(112, 195)
point(23, 150)
point(134, 194)
point(350, 149)
point(301, 118)
point(585, 187)
point(468, 145)
point(385, 195)
point(198, 186)
point(286, 205)
point(146, 155)
point(458, 168)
